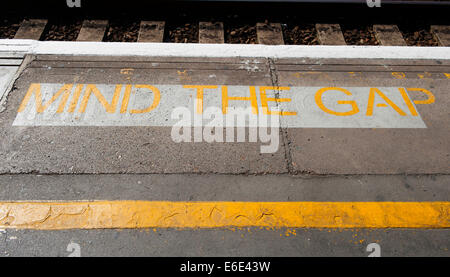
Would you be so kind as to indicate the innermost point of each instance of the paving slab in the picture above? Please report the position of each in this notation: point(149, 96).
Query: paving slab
point(246, 242)
point(391, 107)
point(386, 142)
point(391, 138)
point(234, 242)
point(6, 75)
point(222, 187)
point(121, 149)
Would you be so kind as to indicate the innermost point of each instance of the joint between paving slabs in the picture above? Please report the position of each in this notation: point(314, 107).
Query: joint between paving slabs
point(12, 85)
point(283, 131)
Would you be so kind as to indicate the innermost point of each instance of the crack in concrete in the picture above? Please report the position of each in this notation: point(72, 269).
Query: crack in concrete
point(243, 216)
point(5, 220)
point(215, 209)
point(283, 131)
point(63, 213)
point(263, 215)
point(170, 216)
point(47, 216)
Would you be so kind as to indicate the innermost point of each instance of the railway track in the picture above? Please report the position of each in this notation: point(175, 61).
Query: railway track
point(270, 33)
point(272, 24)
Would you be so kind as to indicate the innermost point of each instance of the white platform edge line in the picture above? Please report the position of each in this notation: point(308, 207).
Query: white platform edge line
point(226, 50)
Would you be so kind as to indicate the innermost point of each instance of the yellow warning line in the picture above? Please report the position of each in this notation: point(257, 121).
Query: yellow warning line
point(156, 214)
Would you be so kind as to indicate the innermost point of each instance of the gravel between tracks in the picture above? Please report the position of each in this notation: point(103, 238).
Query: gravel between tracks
point(240, 33)
point(237, 30)
point(181, 32)
point(62, 29)
point(123, 30)
point(359, 34)
point(300, 34)
point(9, 27)
point(418, 35)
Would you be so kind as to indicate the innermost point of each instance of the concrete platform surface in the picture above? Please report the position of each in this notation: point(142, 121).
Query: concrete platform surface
point(360, 146)
point(333, 122)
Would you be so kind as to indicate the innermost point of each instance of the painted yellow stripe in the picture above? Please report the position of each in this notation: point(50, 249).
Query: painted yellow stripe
point(154, 214)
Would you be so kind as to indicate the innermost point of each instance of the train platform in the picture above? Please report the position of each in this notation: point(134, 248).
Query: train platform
point(223, 150)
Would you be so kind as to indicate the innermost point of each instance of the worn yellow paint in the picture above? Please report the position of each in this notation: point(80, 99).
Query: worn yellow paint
point(199, 95)
point(385, 98)
point(399, 75)
point(75, 98)
point(253, 99)
point(126, 99)
point(91, 88)
point(156, 99)
point(430, 99)
point(156, 214)
point(127, 71)
point(40, 107)
point(408, 102)
point(265, 100)
point(319, 102)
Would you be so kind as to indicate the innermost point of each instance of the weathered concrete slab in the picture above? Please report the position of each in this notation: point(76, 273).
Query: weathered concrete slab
point(6, 75)
point(269, 33)
point(151, 31)
point(442, 34)
point(129, 149)
point(381, 156)
point(222, 187)
point(393, 120)
point(211, 32)
point(330, 34)
point(389, 35)
point(371, 151)
point(31, 29)
point(92, 30)
point(248, 242)
point(233, 241)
